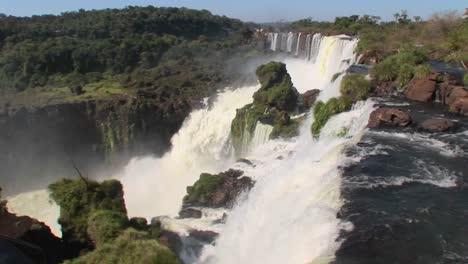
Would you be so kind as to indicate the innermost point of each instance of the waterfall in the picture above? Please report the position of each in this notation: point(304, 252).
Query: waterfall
point(261, 135)
point(298, 47)
point(156, 186)
point(307, 48)
point(290, 214)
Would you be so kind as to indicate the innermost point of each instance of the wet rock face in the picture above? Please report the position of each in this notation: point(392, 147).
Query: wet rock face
point(217, 191)
point(438, 125)
point(309, 97)
point(422, 90)
point(390, 117)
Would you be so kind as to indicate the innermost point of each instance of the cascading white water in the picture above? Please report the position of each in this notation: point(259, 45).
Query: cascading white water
point(156, 186)
point(290, 214)
point(261, 135)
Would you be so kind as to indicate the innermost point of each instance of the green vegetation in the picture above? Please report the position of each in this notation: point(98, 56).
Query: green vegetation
point(401, 67)
point(109, 53)
point(288, 130)
point(422, 71)
point(465, 79)
point(105, 225)
point(93, 217)
point(130, 247)
point(81, 199)
point(203, 189)
point(277, 89)
point(324, 111)
point(356, 87)
point(342, 132)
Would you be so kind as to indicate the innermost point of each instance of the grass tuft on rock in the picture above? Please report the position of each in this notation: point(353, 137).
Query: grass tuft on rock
point(130, 247)
point(105, 225)
point(356, 87)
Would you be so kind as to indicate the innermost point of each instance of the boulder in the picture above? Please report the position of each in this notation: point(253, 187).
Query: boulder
point(422, 89)
point(456, 97)
point(460, 106)
point(217, 191)
point(309, 97)
point(388, 117)
point(438, 125)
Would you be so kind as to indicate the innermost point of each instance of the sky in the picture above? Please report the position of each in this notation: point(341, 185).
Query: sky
point(249, 10)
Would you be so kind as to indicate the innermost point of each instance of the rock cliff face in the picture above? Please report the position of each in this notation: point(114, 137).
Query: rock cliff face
point(43, 140)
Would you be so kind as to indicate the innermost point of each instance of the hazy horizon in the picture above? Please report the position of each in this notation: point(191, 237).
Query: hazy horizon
point(258, 11)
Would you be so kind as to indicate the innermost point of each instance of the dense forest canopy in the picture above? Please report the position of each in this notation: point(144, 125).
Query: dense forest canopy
point(116, 48)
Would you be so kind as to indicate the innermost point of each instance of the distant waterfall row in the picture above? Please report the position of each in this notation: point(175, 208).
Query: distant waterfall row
point(298, 44)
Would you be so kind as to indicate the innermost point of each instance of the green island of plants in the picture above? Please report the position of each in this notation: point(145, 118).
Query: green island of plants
point(96, 228)
point(354, 87)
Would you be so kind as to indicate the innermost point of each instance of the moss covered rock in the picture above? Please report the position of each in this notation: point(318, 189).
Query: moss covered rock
point(272, 105)
point(130, 247)
point(277, 89)
point(81, 202)
point(217, 190)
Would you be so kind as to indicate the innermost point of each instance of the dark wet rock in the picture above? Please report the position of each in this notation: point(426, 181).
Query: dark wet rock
point(246, 161)
point(422, 89)
point(388, 117)
point(171, 240)
point(385, 89)
point(438, 125)
point(309, 97)
point(190, 213)
point(204, 236)
point(216, 191)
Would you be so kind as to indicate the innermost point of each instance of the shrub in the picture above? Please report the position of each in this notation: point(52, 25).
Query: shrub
point(400, 67)
point(324, 111)
point(104, 226)
point(405, 74)
point(422, 70)
point(130, 247)
point(356, 87)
